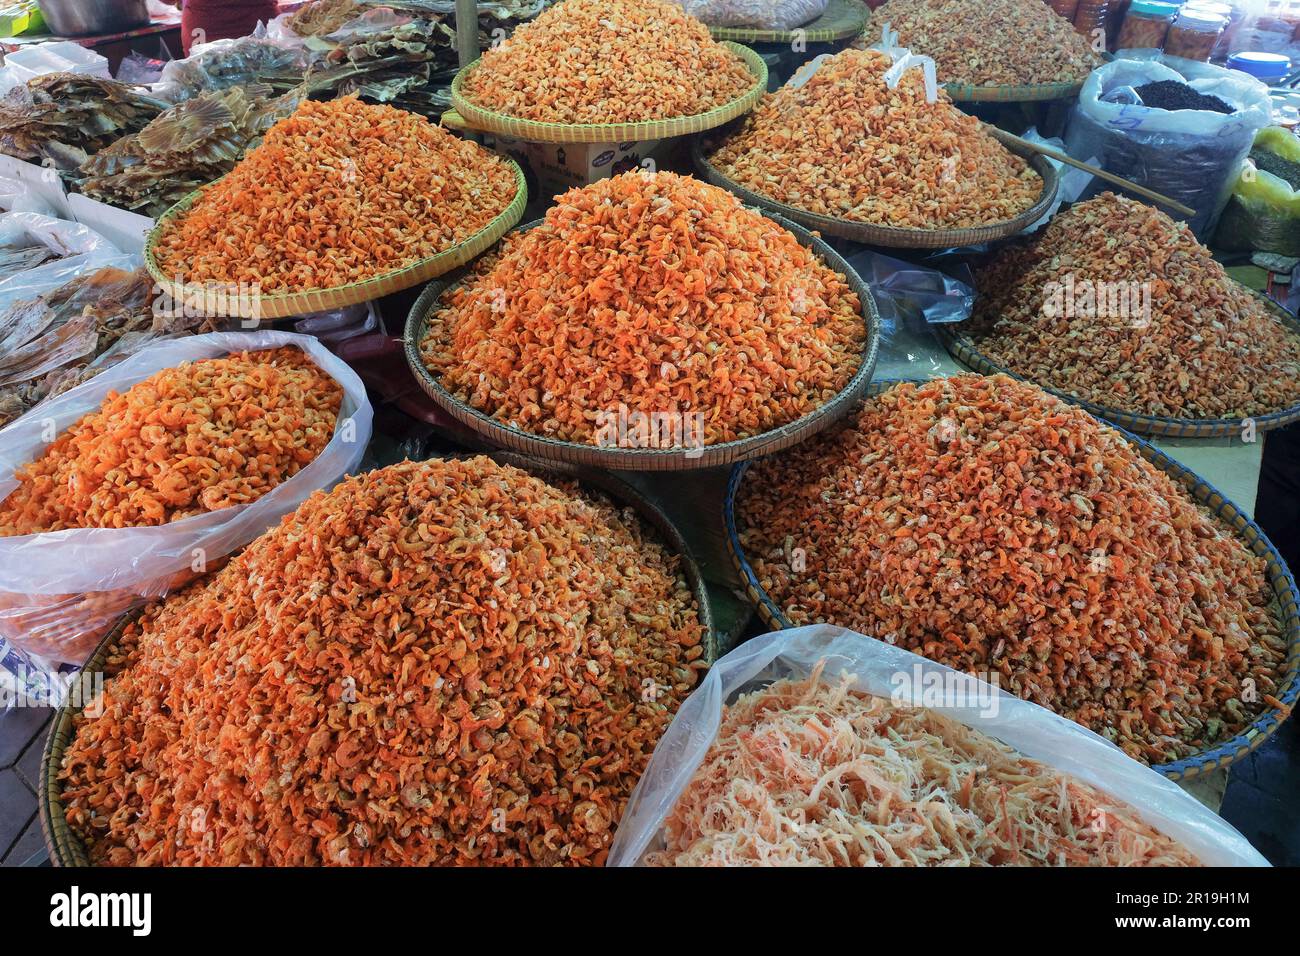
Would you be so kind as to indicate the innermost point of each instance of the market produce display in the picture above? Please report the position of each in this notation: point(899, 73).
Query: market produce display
point(55, 341)
point(202, 436)
point(988, 42)
point(442, 662)
point(608, 61)
point(1116, 304)
point(186, 146)
point(805, 773)
point(64, 118)
point(655, 293)
point(846, 145)
point(337, 193)
point(991, 527)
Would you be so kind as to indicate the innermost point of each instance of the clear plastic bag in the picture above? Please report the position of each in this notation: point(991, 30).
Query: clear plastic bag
point(1191, 156)
point(1028, 728)
point(755, 14)
point(60, 591)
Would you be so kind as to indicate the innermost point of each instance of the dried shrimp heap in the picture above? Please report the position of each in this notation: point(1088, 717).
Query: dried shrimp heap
point(657, 293)
point(608, 61)
point(201, 436)
point(846, 145)
point(988, 42)
point(804, 773)
point(1116, 304)
point(337, 193)
point(993, 528)
point(437, 662)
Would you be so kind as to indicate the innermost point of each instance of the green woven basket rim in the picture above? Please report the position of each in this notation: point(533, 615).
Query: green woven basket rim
point(307, 301)
point(966, 93)
point(652, 459)
point(1204, 494)
point(962, 348)
point(848, 20)
point(532, 131)
point(67, 849)
point(894, 237)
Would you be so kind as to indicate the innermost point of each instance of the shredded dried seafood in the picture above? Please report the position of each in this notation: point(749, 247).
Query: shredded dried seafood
point(240, 62)
point(988, 42)
point(201, 436)
point(654, 293)
point(320, 17)
point(989, 526)
point(66, 117)
point(608, 61)
point(184, 147)
point(16, 259)
point(805, 773)
point(846, 145)
point(434, 663)
point(68, 336)
point(337, 193)
point(1117, 304)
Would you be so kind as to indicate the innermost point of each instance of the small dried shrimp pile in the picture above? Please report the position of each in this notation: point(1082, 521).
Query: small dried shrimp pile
point(986, 525)
point(434, 663)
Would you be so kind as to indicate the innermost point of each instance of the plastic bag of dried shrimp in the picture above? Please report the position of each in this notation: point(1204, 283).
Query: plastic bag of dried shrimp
point(819, 745)
point(60, 591)
point(754, 14)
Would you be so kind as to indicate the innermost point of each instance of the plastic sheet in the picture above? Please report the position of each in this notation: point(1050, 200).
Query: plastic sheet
point(755, 14)
point(1191, 156)
point(82, 250)
point(1032, 730)
point(60, 591)
point(1264, 212)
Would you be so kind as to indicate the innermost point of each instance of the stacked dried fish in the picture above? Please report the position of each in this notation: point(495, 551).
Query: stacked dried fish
point(320, 17)
point(16, 259)
point(58, 340)
point(185, 147)
point(65, 117)
point(227, 63)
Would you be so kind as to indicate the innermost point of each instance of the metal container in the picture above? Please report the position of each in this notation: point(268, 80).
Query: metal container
point(75, 18)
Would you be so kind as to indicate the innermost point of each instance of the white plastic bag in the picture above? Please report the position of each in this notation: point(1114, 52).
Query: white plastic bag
point(60, 591)
point(755, 14)
point(1191, 156)
point(1028, 728)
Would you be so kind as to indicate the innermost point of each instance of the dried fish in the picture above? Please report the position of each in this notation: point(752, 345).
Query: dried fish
point(65, 118)
point(185, 147)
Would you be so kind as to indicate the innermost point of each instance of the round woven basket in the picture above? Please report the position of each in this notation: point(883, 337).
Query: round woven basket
point(476, 117)
point(960, 346)
point(651, 459)
point(893, 237)
point(279, 305)
point(66, 848)
point(1279, 578)
point(841, 20)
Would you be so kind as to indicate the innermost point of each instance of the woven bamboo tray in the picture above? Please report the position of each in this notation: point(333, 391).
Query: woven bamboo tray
point(1040, 92)
point(960, 346)
point(892, 237)
point(279, 305)
point(841, 20)
point(1283, 584)
point(66, 848)
point(651, 459)
point(535, 132)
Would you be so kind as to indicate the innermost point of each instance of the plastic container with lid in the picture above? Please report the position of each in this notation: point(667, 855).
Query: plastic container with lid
point(1065, 8)
point(1090, 15)
point(1146, 25)
point(1266, 67)
point(1195, 34)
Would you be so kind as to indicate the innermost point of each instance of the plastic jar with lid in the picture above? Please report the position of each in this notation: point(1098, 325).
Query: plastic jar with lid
point(1065, 8)
point(1146, 25)
point(1195, 34)
point(1090, 16)
point(1268, 68)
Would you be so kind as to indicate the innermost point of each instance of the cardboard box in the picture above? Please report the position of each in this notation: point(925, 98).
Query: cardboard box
point(124, 229)
point(553, 168)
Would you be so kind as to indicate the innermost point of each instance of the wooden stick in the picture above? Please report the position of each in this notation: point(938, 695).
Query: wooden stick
point(466, 32)
point(1061, 157)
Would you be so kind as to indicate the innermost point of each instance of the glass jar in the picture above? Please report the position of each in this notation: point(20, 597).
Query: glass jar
point(1065, 8)
point(1146, 25)
point(1090, 16)
point(1194, 35)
